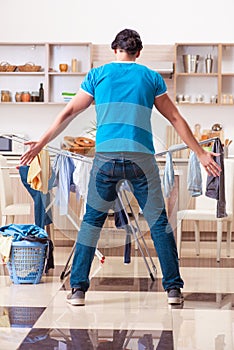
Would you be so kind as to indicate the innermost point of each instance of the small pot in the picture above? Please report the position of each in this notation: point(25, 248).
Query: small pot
point(63, 67)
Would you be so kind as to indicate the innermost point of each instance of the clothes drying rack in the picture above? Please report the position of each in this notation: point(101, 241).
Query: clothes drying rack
point(122, 193)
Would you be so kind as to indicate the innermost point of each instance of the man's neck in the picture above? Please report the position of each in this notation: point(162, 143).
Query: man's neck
point(122, 55)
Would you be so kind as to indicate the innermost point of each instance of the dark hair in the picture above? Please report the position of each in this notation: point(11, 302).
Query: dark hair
point(128, 40)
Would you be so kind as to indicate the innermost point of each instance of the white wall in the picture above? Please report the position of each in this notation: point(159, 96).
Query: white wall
point(158, 22)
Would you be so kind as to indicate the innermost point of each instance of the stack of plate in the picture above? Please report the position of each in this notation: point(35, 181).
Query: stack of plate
point(67, 96)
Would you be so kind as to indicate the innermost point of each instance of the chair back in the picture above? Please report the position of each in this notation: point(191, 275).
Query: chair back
point(6, 194)
point(203, 202)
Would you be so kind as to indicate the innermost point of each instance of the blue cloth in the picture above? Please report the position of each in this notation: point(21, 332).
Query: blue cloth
point(168, 176)
point(194, 177)
point(41, 200)
point(63, 168)
point(143, 173)
point(31, 233)
point(124, 94)
point(20, 232)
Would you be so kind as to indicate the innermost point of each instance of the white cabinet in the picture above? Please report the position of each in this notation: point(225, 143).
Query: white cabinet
point(48, 56)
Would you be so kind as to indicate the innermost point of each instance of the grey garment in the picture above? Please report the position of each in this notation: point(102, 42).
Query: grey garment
point(168, 177)
point(194, 177)
point(215, 185)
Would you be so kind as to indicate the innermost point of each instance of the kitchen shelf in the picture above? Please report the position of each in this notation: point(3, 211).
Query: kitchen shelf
point(197, 74)
point(48, 56)
point(22, 73)
point(67, 73)
point(219, 83)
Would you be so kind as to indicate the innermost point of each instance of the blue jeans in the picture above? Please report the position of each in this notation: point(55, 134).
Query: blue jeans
point(41, 200)
point(142, 173)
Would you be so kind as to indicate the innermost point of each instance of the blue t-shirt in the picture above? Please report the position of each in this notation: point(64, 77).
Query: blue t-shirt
point(124, 94)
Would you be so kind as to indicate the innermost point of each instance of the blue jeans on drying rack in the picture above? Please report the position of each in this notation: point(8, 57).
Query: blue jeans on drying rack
point(108, 172)
point(41, 201)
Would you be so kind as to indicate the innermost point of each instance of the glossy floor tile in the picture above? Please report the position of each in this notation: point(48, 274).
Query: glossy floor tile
point(125, 309)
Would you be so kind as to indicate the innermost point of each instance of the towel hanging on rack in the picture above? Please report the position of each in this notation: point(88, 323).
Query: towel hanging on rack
point(194, 177)
point(169, 175)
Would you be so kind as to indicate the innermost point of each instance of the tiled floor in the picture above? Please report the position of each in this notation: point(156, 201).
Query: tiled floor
point(124, 309)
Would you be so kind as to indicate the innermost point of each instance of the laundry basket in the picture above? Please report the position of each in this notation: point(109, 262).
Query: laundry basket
point(27, 260)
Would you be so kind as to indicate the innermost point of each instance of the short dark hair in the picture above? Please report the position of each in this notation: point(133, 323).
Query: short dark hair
point(128, 40)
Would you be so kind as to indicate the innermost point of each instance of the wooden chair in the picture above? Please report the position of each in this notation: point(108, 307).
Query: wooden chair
point(205, 210)
point(8, 208)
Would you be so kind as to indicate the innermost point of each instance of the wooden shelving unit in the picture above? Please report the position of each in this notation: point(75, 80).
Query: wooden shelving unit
point(200, 87)
point(48, 56)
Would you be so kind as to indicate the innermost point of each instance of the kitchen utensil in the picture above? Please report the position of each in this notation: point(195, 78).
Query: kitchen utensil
point(179, 98)
point(209, 63)
point(187, 98)
point(216, 127)
point(190, 63)
point(199, 98)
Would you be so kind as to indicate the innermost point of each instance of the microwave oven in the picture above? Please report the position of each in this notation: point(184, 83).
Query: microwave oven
point(12, 146)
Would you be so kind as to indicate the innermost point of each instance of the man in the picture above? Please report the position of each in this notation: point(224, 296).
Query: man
point(124, 93)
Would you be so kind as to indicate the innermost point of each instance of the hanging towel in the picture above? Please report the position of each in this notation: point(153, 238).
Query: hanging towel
point(39, 172)
point(194, 177)
point(81, 176)
point(63, 168)
point(168, 177)
point(215, 185)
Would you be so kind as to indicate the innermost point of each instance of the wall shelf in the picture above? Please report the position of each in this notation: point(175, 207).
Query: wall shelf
point(48, 56)
point(219, 83)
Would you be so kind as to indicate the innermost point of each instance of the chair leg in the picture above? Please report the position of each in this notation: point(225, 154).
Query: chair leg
point(219, 238)
point(4, 220)
point(50, 230)
point(229, 237)
point(197, 236)
point(179, 237)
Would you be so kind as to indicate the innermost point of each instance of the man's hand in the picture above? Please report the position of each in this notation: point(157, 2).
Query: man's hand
point(31, 153)
point(207, 160)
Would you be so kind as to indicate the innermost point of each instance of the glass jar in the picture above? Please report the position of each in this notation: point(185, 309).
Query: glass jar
point(25, 96)
point(18, 96)
point(5, 96)
point(35, 96)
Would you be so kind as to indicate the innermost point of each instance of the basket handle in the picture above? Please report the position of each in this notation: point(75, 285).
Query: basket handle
point(4, 63)
point(30, 64)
